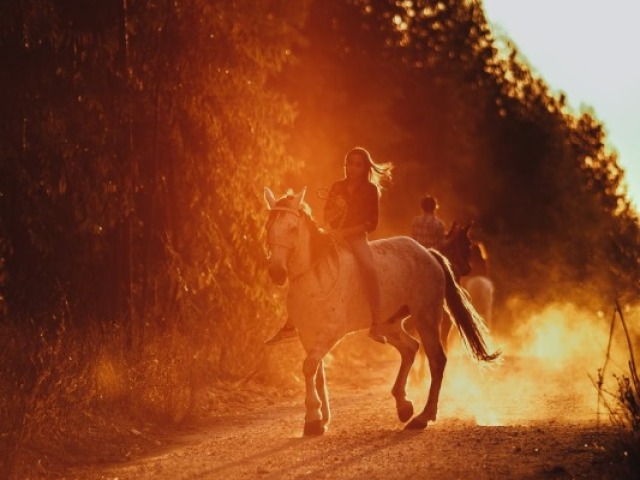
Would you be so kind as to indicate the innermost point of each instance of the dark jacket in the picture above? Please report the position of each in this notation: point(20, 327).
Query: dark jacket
point(361, 207)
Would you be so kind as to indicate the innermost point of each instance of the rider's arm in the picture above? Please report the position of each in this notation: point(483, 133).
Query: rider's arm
point(335, 208)
point(441, 235)
point(368, 218)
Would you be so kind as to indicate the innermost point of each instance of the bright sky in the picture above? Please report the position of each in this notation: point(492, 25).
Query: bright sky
point(589, 50)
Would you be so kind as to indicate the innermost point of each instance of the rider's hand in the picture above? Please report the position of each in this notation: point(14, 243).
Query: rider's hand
point(335, 210)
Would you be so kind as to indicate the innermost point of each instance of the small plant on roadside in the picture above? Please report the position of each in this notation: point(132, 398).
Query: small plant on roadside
point(623, 402)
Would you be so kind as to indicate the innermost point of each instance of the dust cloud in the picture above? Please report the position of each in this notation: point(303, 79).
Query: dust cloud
point(552, 358)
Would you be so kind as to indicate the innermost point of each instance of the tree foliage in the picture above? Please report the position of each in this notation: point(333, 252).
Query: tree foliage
point(136, 140)
point(428, 85)
point(137, 137)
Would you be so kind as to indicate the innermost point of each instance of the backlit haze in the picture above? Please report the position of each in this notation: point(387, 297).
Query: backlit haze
point(588, 50)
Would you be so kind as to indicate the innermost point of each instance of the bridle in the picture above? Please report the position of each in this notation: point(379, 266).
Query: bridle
point(294, 211)
point(312, 267)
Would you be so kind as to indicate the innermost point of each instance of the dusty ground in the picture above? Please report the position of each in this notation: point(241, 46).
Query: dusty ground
point(493, 424)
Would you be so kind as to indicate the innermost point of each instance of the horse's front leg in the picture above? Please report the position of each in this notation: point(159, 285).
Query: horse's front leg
point(313, 420)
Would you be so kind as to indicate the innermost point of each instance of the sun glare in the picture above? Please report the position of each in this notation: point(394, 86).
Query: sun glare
point(584, 49)
point(561, 336)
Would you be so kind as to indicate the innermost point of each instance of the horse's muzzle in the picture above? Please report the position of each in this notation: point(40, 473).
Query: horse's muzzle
point(278, 274)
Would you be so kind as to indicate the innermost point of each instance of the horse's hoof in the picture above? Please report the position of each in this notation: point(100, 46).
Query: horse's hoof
point(405, 411)
point(416, 424)
point(314, 428)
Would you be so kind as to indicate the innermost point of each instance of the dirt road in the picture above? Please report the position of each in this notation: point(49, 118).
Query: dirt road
point(490, 427)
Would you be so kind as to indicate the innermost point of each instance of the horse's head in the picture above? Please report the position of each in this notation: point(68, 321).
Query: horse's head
point(283, 228)
point(457, 249)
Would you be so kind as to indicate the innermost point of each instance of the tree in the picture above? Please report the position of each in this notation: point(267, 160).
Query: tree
point(133, 132)
point(427, 85)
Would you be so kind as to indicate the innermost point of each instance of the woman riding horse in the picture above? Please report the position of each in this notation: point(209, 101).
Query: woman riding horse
point(351, 212)
point(328, 298)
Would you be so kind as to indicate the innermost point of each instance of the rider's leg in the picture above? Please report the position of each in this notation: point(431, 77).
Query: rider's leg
point(364, 257)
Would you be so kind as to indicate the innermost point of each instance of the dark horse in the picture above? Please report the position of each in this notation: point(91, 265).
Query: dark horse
point(458, 249)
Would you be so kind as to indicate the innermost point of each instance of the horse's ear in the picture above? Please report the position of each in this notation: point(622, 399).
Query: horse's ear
point(299, 197)
point(269, 198)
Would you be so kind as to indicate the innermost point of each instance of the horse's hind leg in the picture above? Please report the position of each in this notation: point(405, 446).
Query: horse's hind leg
point(407, 346)
point(429, 334)
point(417, 374)
point(445, 330)
point(323, 394)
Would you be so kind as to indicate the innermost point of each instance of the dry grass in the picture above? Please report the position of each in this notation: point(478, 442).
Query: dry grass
point(622, 401)
point(79, 396)
point(47, 390)
point(74, 397)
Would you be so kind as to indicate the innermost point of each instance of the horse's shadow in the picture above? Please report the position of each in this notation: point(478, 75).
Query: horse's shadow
point(279, 447)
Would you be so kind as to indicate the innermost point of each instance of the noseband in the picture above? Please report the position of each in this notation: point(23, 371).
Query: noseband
point(295, 211)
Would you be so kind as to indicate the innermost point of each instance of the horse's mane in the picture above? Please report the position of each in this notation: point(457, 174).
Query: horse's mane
point(319, 240)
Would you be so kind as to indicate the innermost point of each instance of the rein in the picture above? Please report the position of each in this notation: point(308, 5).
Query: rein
point(334, 243)
point(295, 211)
point(313, 266)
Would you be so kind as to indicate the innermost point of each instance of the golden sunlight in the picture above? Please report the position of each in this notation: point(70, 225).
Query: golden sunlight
point(555, 354)
point(562, 335)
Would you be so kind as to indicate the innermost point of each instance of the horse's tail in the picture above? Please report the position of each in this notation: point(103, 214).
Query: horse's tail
point(471, 325)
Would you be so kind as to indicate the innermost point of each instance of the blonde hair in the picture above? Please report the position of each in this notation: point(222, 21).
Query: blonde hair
point(379, 173)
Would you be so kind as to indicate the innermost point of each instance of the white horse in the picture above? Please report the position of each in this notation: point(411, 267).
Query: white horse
point(326, 301)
